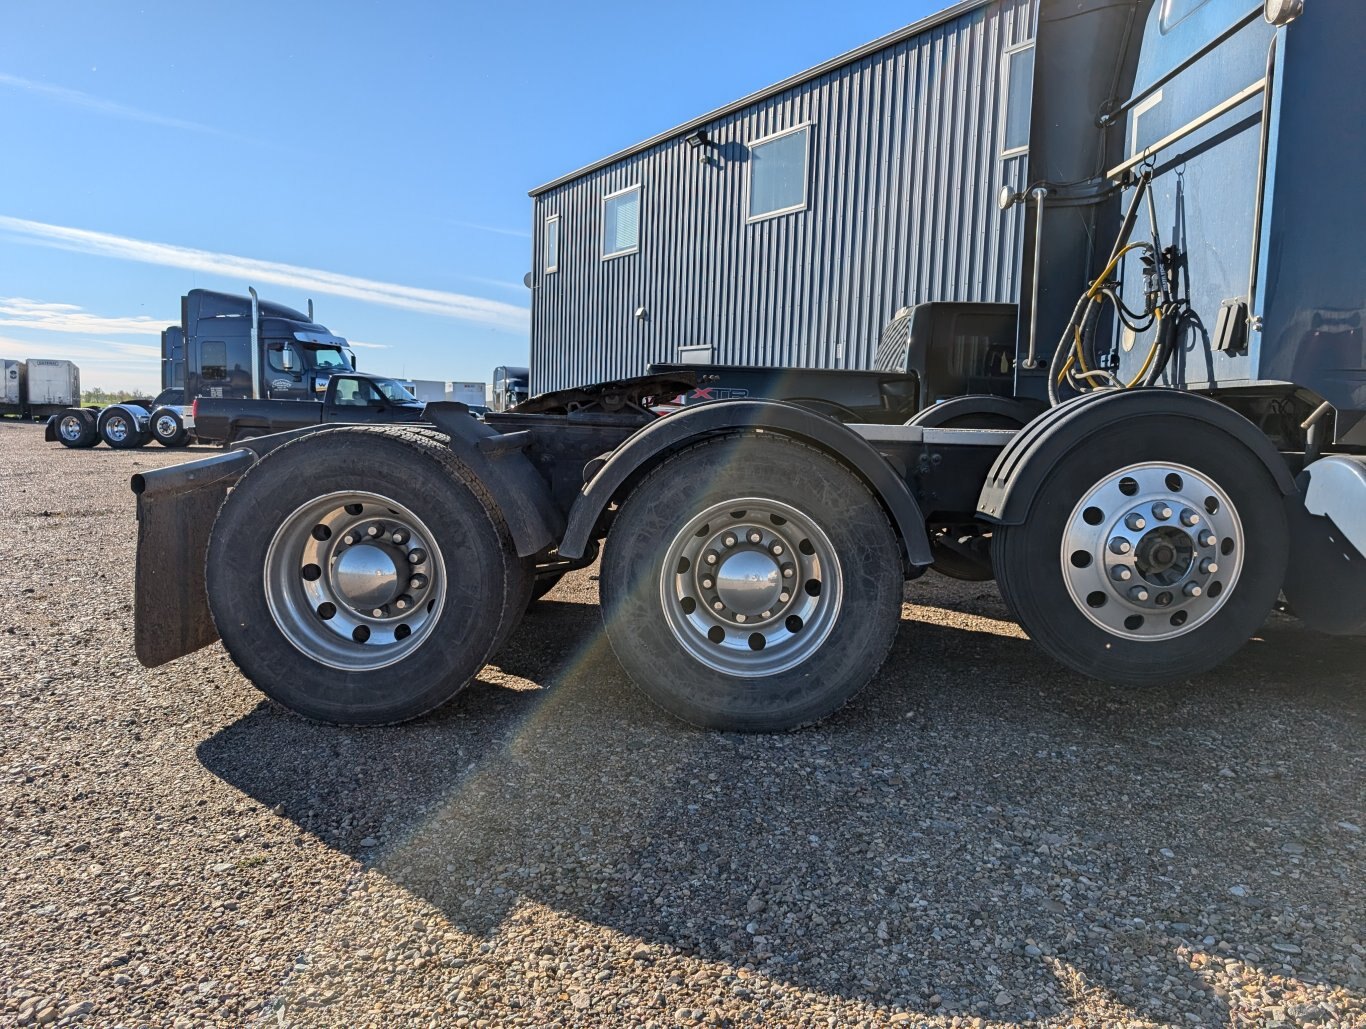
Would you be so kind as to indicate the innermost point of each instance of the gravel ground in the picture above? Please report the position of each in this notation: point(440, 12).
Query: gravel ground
point(982, 838)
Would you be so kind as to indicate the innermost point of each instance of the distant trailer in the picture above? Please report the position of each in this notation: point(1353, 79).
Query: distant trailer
point(48, 386)
point(472, 394)
point(11, 392)
point(430, 390)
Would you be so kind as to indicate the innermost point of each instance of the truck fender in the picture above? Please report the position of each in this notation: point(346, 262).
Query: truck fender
point(498, 461)
point(139, 414)
point(1020, 469)
point(667, 435)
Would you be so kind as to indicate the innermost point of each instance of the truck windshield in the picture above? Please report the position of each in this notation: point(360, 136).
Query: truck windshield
point(393, 391)
point(326, 357)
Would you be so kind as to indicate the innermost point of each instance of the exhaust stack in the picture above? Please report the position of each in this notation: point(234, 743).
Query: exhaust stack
point(255, 345)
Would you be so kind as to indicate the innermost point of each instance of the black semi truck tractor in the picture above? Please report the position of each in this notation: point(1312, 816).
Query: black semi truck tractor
point(1189, 343)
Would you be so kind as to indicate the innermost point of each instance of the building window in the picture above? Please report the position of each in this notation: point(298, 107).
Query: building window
point(621, 222)
point(552, 244)
point(777, 174)
point(213, 361)
point(1019, 100)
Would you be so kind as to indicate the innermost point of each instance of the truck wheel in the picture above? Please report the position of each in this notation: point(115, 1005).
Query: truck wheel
point(118, 429)
point(362, 575)
point(76, 429)
point(751, 584)
point(1151, 570)
point(168, 430)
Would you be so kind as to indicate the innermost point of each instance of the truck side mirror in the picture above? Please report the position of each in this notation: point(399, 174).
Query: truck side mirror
point(287, 359)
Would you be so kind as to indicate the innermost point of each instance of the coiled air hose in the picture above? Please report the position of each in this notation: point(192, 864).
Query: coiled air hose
point(1074, 362)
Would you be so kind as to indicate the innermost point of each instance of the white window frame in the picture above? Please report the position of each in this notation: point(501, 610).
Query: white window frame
point(750, 219)
point(1006, 55)
point(639, 211)
point(547, 267)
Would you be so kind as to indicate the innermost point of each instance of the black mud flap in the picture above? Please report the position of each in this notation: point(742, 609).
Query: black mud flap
point(176, 511)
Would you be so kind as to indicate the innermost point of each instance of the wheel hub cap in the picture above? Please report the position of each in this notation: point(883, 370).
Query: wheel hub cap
point(71, 427)
point(369, 576)
point(749, 582)
point(166, 425)
point(1152, 551)
point(117, 428)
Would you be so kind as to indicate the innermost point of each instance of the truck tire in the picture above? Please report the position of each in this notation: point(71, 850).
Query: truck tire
point(362, 575)
point(751, 583)
point(119, 430)
point(76, 429)
point(1151, 552)
point(168, 429)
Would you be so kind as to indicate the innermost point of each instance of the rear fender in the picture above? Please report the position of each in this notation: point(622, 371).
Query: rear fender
point(1027, 460)
point(657, 440)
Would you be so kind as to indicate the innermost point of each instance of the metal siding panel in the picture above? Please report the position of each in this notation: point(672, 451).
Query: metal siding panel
point(902, 173)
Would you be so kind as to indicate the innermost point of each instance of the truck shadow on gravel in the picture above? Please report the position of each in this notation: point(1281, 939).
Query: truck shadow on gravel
point(978, 833)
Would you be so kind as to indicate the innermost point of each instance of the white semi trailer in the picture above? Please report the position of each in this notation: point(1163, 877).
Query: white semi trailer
point(38, 387)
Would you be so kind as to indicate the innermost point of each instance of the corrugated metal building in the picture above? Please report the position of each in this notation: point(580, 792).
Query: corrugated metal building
point(788, 227)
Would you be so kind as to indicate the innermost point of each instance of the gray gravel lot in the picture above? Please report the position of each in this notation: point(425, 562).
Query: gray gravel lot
point(981, 838)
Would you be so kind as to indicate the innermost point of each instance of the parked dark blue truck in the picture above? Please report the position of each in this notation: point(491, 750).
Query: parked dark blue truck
point(1188, 355)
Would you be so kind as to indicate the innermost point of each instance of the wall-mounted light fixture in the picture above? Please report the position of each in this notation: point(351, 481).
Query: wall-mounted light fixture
point(698, 141)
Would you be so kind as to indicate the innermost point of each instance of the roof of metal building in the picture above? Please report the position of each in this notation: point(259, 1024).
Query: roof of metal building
point(857, 54)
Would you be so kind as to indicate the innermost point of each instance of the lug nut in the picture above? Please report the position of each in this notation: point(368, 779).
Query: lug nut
point(378, 612)
point(739, 617)
point(755, 537)
point(1121, 574)
point(1135, 522)
point(1191, 589)
point(1208, 539)
point(417, 582)
point(729, 541)
point(399, 536)
point(349, 539)
point(787, 572)
point(404, 602)
point(1189, 517)
point(1119, 545)
point(1139, 594)
point(708, 583)
point(416, 556)
point(710, 558)
point(373, 530)
point(1161, 511)
point(1209, 566)
point(717, 605)
point(767, 614)
point(784, 597)
point(776, 549)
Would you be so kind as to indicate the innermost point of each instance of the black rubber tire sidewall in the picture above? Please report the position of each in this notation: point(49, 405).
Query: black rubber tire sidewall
point(89, 433)
point(483, 574)
point(130, 440)
point(1028, 562)
point(771, 467)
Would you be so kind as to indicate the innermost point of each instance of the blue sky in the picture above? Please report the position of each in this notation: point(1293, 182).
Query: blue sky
point(374, 156)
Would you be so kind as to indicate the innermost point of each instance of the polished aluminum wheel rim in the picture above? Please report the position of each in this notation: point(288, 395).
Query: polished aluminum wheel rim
point(751, 587)
point(166, 426)
point(354, 580)
point(1152, 551)
point(71, 427)
point(116, 428)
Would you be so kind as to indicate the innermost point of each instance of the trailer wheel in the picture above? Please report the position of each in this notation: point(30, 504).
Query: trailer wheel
point(751, 584)
point(1152, 568)
point(167, 428)
point(118, 429)
point(76, 429)
point(362, 575)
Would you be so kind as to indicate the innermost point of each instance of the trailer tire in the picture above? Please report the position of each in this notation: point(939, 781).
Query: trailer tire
point(1166, 618)
point(76, 428)
point(119, 430)
point(802, 628)
point(168, 429)
point(299, 615)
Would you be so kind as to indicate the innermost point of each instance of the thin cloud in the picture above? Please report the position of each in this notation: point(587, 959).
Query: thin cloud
point(75, 98)
point(521, 233)
point(22, 313)
point(494, 313)
point(367, 346)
